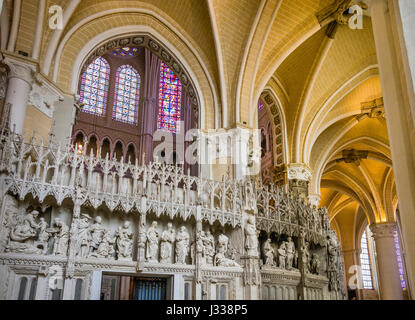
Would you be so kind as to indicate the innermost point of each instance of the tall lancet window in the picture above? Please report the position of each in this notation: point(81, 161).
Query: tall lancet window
point(127, 91)
point(365, 262)
point(170, 94)
point(400, 262)
point(94, 87)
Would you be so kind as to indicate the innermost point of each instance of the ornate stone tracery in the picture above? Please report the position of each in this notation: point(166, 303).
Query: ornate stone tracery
point(109, 215)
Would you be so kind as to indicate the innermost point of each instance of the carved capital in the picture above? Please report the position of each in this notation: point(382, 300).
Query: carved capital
point(19, 69)
point(314, 199)
point(383, 230)
point(299, 171)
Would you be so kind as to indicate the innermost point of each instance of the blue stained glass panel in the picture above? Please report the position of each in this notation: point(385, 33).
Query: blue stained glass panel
point(400, 262)
point(127, 93)
point(94, 87)
point(170, 94)
point(125, 52)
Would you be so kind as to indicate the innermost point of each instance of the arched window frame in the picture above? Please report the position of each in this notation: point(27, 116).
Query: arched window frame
point(127, 94)
point(170, 89)
point(99, 69)
point(365, 263)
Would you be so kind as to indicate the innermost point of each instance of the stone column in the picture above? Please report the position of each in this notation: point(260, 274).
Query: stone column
point(150, 106)
point(18, 89)
point(389, 280)
point(394, 39)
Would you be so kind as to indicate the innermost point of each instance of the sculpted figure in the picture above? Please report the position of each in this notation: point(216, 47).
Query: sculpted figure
point(27, 229)
point(82, 245)
point(306, 257)
point(208, 247)
point(44, 235)
point(152, 243)
point(124, 241)
point(61, 237)
point(314, 264)
point(269, 253)
point(167, 239)
point(290, 249)
point(22, 235)
point(251, 240)
point(182, 245)
point(106, 247)
point(332, 251)
point(221, 249)
point(282, 255)
point(97, 232)
point(200, 247)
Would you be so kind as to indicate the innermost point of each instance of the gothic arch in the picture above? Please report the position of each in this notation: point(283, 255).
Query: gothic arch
point(190, 66)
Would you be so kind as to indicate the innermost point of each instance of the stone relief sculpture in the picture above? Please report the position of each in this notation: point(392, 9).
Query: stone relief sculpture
point(208, 247)
point(200, 247)
point(106, 247)
point(23, 235)
point(315, 264)
point(152, 244)
point(182, 245)
point(221, 250)
point(269, 253)
point(124, 242)
point(290, 250)
point(279, 213)
point(332, 267)
point(167, 240)
point(306, 257)
point(282, 255)
point(82, 245)
point(97, 232)
point(251, 240)
point(61, 237)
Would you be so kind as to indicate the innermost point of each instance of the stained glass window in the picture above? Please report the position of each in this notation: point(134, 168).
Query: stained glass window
point(170, 93)
point(260, 105)
point(365, 262)
point(400, 263)
point(127, 91)
point(94, 87)
point(125, 52)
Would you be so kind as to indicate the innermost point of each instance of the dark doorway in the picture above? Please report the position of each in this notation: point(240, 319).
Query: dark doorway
point(115, 287)
point(149, 289)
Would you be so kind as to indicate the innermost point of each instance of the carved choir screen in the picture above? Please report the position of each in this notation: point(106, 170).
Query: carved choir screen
point(170, 92)
point(127, 92)
point(110, 215)
point(94, 87)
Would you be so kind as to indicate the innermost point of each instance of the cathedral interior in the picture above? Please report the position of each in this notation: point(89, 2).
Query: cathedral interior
point(207, 150)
